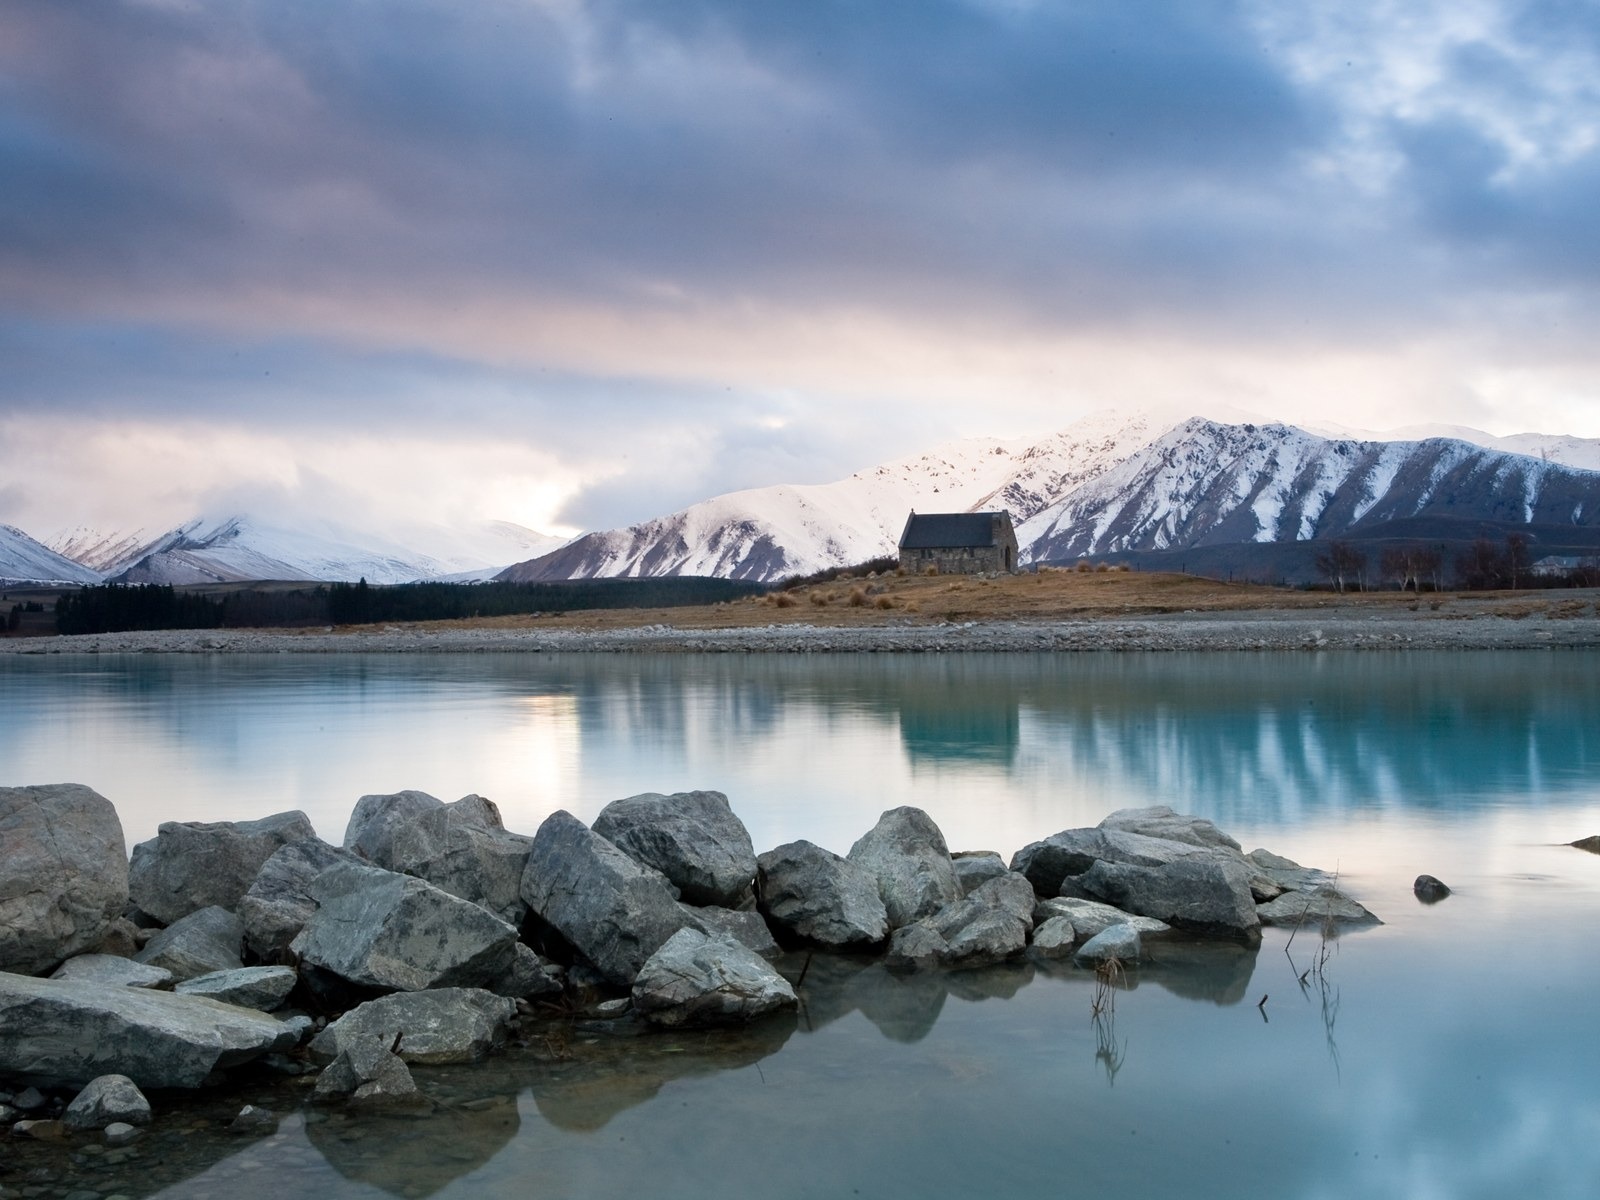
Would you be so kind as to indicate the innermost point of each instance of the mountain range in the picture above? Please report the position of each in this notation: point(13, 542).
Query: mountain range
point(1138, 485)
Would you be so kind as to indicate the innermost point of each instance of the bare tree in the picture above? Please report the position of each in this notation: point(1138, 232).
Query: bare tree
point(1343, 564)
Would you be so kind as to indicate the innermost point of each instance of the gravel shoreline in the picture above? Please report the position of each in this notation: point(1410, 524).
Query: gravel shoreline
point(1265, 629)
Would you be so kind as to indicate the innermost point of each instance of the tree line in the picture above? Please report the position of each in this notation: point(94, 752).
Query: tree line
point(1484, 565)
point(119, 608)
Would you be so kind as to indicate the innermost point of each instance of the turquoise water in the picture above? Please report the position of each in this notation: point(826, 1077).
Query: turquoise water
point(1451, 1052)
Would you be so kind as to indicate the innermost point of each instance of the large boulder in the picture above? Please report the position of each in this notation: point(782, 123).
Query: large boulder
point(445, 1025)
point(693, 838)
point(198, 944)
point(745, 926)
point(393, 932)
point(1202, 893)
point(1140, 837)
point(463, 848)
point(190, 865)
point(63, 874)
point(1160, 821)
point(988, 926)
point(815, 896)
point(60, 1034)
point(609, 908)
point(907, 855)
point(696, 979)
point(279, 902)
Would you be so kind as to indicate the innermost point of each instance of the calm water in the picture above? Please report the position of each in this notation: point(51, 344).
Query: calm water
point(1452, 1052)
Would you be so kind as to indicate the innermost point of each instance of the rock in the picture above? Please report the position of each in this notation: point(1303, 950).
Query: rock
point(40, 1131)
point(263, 988)
point(254, 1121)
point(1429, 890)
point(56, 1033)
point(279, 902)
point(696, 979)
point(29, 1099)
point(371, 1077)
point(461, 848)
point(612, 910)
point(202, 942)
point(986, 927)
point(1591, 844)
point(1162, 822)
point(1119, 942)
point(747, 927)
point(447, 1025)
point(107, 1099)
point(1089, 917)
point(530, 976)
point(693, 838)
point(974, 867)
point(814, 895)
point(380, 929)
point(1054, 938)
point(1315, 908)
point(63, 874)
point(1203, 893)
point(915, 947)
point(109, 968)
point(907, 855)
point(190, 865)
point(120, 1133)
point(121, 940)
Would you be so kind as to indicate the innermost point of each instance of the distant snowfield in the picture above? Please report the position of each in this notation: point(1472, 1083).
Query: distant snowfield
point(1113, 481)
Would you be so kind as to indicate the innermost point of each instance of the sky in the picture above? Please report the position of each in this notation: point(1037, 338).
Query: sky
point(577, 263)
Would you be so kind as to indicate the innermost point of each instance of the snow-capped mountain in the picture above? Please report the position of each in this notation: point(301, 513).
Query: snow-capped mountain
point(1108, 484)
point(23, 560)
point(1560, 448)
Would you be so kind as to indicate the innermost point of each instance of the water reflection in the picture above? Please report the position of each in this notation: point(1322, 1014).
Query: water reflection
point(415, 1157)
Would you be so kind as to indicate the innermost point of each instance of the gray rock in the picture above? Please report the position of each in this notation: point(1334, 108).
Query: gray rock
point(384, 930)
point(1054, 938)
point(1315, 908)
point(104, 1100)
point(1590, 843)
point(1071, 852)
point(988, 926)
point(30, 1099)
point(254, 1121)
point(120, 1133)
point(121, 940)
point(975, 867)
point(190, 865)
point(746, 927)
point(112, 969)
point(198, 944)
point(991, 936)
point(1120, 942)
point(530, 977)
point(1202, 893)
point(1162, 822)
point(1288, 875)
point(693, 838)
point(262, 988)
point(55, 1033)
point(814, 895)
point(462, 848)
point(447, 1025)
point(916, 947)
point(695, 979)
point(63, 874)
point(614, 911)
point(371, 1077)
point(40, 1130)
point(907, 855)
point(1429, 890)
point(279, 902)
point(1089, 917)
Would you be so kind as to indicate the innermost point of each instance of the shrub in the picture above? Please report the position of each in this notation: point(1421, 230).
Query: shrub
point(884, 602)
point(784, 599)
point(818, 599)
point(931, 569)
point(858, 598)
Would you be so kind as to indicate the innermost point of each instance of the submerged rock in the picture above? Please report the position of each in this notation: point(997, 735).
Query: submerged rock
point(1591, 844)
point(693, 838)
point(190, 865)
point(696, 979)
point(1119, 943)
point(105, 1100)
point(369, 1076)
point(612, 910)
point(814, 895)
point(1429, 890)
point(446, 1025)
point(394, 932)
point(907, 855)
point(279, 902)
point(202, 942)
point(254, 1121)
point(63, 874)
point(462, 848)
point(1315, 908)
point(55, 1033)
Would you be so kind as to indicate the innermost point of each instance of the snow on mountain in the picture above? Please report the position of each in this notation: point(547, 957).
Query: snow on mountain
point(1205, 483)
point(1560, 448)
point(23, 560)
point(768, 533)
point(106, 552)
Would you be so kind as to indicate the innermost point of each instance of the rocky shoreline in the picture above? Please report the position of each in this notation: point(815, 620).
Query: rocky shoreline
point(1458, 626)
point(433, 935)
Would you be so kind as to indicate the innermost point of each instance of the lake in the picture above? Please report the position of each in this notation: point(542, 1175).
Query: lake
point(1451, 1052)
